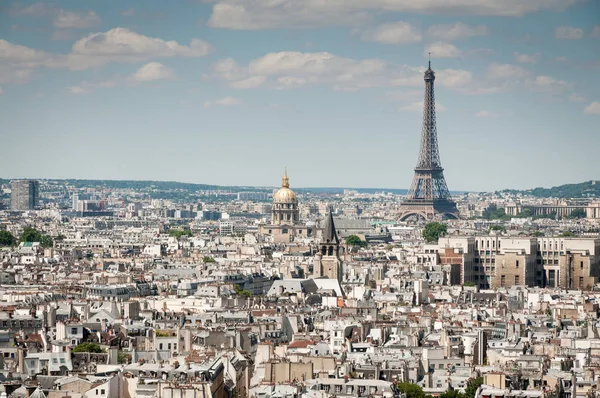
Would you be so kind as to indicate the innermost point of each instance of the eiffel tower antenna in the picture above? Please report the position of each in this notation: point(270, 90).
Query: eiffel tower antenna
point(428, 196)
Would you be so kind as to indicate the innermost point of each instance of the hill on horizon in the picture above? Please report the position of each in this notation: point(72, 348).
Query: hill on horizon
point(588, 189)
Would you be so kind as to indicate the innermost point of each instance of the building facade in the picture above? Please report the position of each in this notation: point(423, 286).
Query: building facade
point(24, 195)
point(494, 261)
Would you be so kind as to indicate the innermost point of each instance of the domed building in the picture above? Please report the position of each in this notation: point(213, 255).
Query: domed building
point(285, 216)
point(285, 204)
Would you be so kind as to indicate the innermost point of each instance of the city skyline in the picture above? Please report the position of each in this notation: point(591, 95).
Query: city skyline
point(229, 92)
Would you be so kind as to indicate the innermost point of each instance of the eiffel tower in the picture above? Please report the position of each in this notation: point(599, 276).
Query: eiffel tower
point(428, 196)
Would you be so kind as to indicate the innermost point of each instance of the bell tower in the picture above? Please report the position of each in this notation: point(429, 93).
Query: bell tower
point(327, 261)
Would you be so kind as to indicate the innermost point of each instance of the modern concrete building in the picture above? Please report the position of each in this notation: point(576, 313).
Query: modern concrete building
point(24, 194)
point(494, 261)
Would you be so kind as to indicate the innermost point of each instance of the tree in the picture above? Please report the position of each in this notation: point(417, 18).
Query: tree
point(7, 239)
point(472, 387)
point(494, 213)
point(46, 241)
point(178, 233)
point(31, 235)
point(354, 240)
point(123, 357)
point(88, 347)
point(433, 231)
point(208, 259)
point(537, 234)
point(241, 292)
point(566, 234)
point(500, 228)
point(411, 390)
point(578, 213)
point(452, 394)
point(525, 213)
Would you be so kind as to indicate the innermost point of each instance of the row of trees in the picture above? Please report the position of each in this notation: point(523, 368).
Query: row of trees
point(29, 235)
point(414, 391)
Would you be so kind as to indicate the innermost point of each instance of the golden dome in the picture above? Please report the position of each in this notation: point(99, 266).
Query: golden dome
point(285, 194)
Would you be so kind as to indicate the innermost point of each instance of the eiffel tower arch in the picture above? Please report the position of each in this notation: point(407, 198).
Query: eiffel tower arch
point(428, 196)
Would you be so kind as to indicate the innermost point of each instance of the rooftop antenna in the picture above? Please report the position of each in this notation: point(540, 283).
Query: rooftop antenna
point(429, 60)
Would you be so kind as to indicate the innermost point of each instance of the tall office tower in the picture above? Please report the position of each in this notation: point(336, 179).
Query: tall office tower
point(24, 194)
point(428, 196)
point(75, 205)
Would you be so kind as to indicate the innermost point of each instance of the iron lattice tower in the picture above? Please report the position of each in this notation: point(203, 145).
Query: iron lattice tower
point(428, 195)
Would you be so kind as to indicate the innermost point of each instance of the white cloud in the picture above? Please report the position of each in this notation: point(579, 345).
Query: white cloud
point(87, 87)
point(527, 58)
point(454, 78)
point(293, 69)
point(78, 90)
point(124, 45)
point(10, 74)
point(74, 20)
point(561, 59)
point(568, 33)
point(285, 82)
point(393, 33)
point(442, 50)
point(596, 31)
point(96, 49)
point(485, 113)
point(153, 71)
point(323, 63)
point(130, 12)
point(286, 70)
point(505, 71)
point(548, 85)
point(226, 101)
point(1, 91)
point(35, 10)
point(250, 82)
point(576, 98)
point(10, 52)
point(457, 31)
point(592, 109)
point(418, 107)
point(272, 14)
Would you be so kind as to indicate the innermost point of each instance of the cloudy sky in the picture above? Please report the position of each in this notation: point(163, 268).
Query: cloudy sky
point(231, 91)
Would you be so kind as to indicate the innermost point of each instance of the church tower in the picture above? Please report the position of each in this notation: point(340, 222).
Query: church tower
point(327, 261)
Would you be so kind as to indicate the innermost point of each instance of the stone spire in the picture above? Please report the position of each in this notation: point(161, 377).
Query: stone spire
point(329, 233)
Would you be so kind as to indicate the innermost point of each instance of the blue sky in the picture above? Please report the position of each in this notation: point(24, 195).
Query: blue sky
point(231, 91)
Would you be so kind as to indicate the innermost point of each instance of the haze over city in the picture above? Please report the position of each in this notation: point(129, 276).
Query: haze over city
point(229, 92)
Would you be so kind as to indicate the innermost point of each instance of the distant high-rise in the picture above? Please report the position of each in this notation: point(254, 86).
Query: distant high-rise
point(24, 194)
point(428, 195)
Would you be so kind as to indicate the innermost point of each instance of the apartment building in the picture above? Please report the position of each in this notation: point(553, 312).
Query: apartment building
point(495, 261)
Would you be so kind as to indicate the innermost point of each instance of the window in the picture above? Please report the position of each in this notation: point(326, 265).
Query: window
point(160, 346)
point(516, 279)
point(169, 346)
point(502, 280)
point(581, 265)
point(73, 330)
point(102, 392)
point(517, 264)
